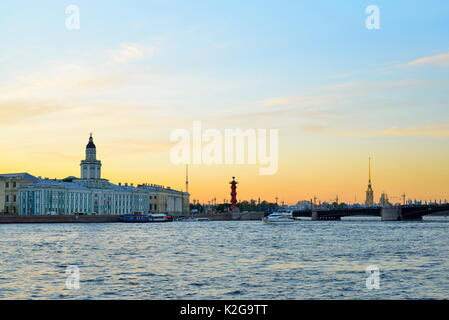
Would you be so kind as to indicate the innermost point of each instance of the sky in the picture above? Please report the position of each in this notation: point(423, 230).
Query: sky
point(134, 71)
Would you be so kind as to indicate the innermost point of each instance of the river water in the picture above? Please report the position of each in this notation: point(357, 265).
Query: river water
point(226, 260)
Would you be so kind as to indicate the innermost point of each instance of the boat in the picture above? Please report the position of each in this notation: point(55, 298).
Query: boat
point(135, 217)
point(159, 217)
point(190, 219)
point(280, 216)
point(138, 217)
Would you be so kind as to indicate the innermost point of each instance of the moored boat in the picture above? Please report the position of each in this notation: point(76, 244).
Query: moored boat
point(138, 217)
point(135, 217)
point(281, 216)
point(190, 219)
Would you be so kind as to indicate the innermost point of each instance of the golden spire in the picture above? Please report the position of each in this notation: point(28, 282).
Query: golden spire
point(187, 178)
point(369, 169)
point(369, 192)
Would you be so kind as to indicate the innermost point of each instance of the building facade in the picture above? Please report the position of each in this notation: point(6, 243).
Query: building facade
point(166, 200)
point(9, 190)
point(89, 194)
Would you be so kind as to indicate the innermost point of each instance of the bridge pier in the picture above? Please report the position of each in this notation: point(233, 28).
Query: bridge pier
point(390, 214)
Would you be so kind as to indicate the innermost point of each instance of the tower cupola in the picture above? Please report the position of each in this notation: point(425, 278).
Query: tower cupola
point(91, 144)
point(91, 167)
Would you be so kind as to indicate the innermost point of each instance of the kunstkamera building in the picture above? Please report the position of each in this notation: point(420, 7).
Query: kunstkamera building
point(25, 194)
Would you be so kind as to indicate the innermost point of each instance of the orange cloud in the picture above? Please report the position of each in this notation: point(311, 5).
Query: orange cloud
point(14, 111)
point(436, 131)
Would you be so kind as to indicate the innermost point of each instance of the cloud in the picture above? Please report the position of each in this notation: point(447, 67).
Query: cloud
point(138, 146)
point(342, 93)
point(73, 81)
point(312, 128)
point(65, 83)
point(132, 51)
point(441, 59)
point(433, 130)
point(307, 101)
point(12, 112)
point(430, 131)
point(322, 130)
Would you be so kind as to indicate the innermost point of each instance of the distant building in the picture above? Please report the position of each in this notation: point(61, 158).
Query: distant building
point(369, 201)
point(384, 200)
point(9, 188)
point(304, 204)
point(25, 194)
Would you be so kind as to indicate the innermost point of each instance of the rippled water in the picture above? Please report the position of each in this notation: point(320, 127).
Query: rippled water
point(227, 260)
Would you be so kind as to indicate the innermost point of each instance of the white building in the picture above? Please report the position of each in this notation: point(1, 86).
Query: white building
point(91, 194)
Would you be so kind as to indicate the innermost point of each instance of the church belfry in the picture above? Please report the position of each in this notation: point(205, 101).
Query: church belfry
point(91, 167)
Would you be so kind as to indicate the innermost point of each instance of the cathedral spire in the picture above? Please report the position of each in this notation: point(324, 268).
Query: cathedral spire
point(369, 192)
point(369, 170)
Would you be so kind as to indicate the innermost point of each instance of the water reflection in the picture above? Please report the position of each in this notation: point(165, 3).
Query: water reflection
point(226, 260)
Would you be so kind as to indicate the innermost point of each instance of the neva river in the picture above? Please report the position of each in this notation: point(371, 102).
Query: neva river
point(227, 260)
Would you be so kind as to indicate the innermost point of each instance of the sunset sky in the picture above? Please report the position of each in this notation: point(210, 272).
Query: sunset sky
point(137, 70)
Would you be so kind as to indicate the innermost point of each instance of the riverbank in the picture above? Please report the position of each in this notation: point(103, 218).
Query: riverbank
point(230, 216)
point(59, 219)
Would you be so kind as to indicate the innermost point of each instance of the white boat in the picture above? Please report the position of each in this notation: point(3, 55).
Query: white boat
point(279, 217)
point(194, 220)
point(156, 217)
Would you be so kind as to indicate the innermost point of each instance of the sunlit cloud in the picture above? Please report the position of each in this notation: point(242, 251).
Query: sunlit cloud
point(313, 128)
point(339, 93)
point(70, 81)
point(143, 146)
point(433, 130)
point(63, 82)
point(132, 51)
point(440, 59)
point(429, 131)
point(303, 101)
point(18, 111)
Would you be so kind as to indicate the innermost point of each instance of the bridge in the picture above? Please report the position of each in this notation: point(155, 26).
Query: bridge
point(392, 213)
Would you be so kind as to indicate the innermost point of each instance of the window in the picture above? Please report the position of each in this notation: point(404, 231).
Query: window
point(7, 185)
point(14, 199)
point(7, 198)
point(14, 184)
